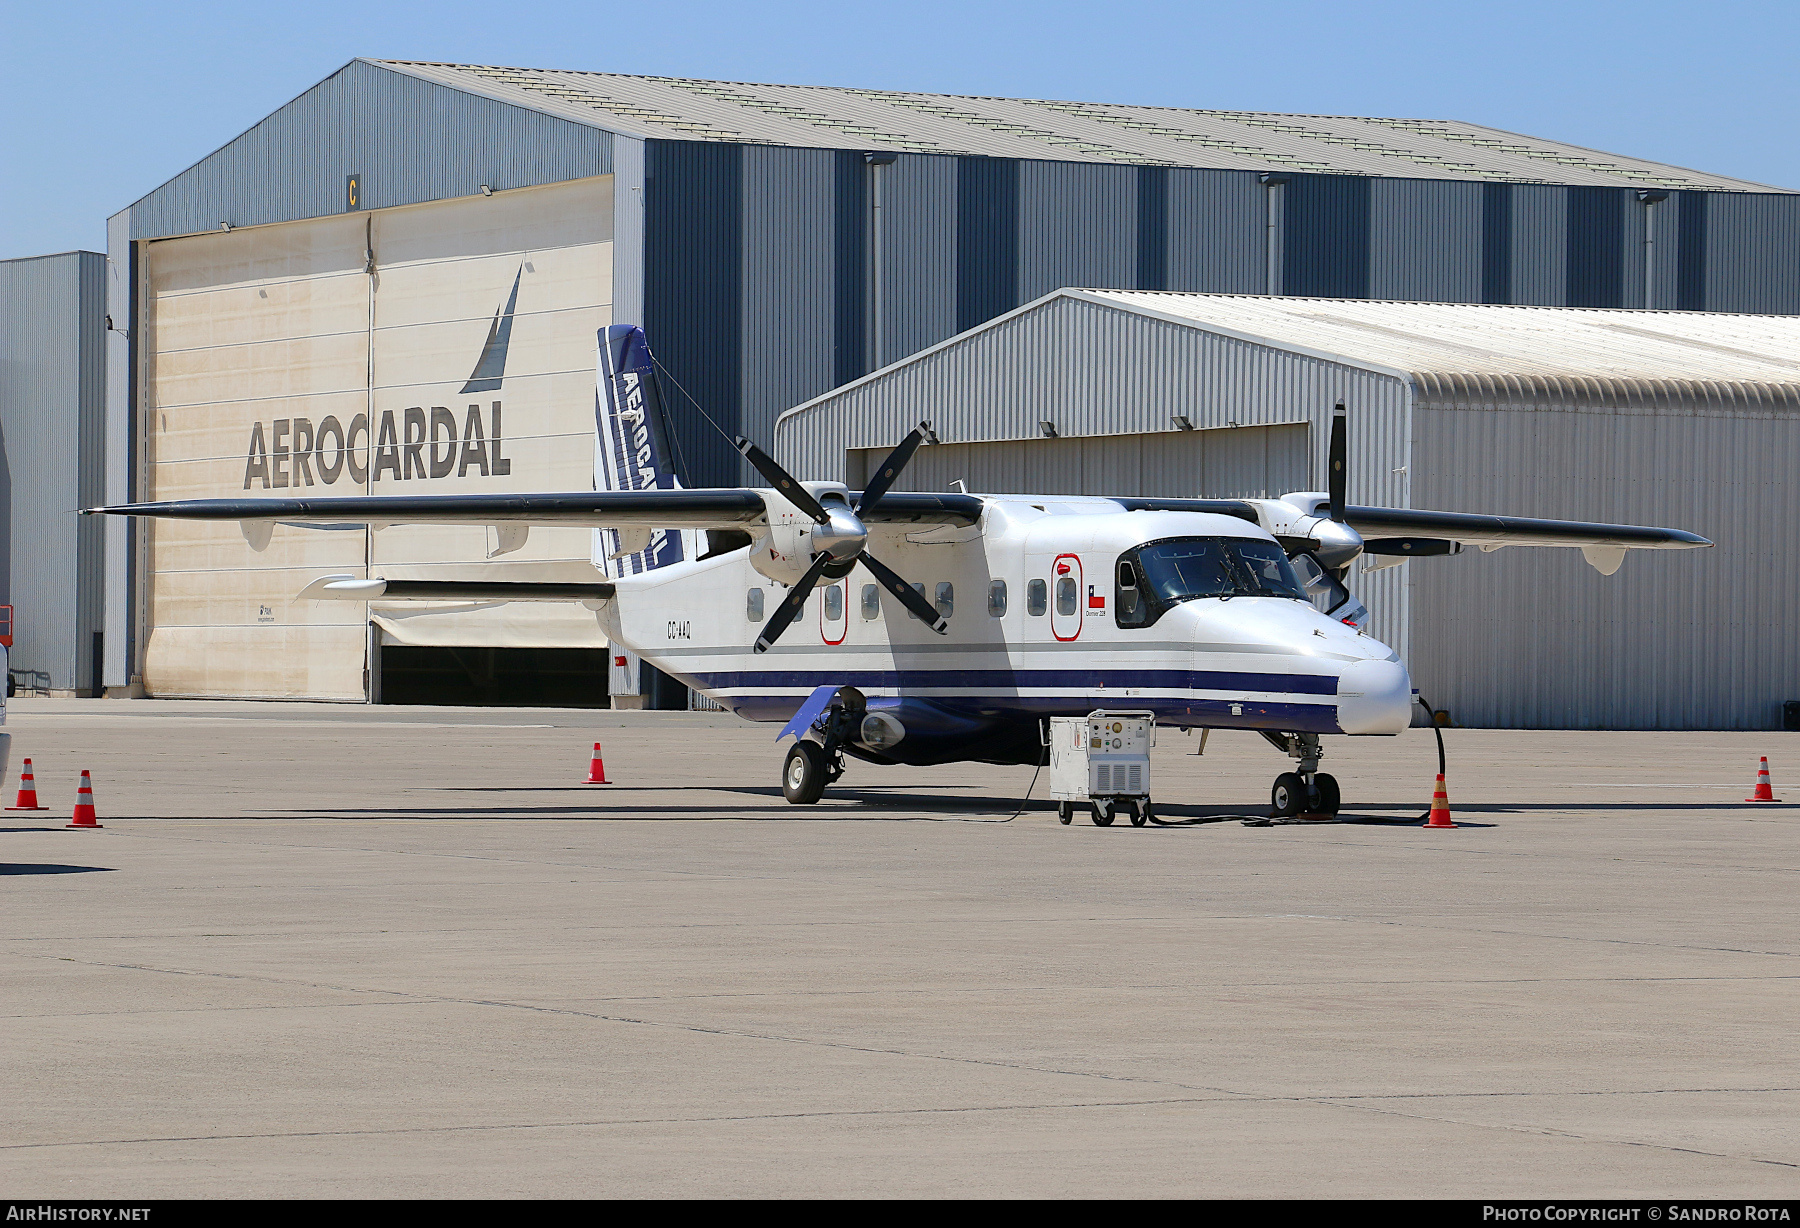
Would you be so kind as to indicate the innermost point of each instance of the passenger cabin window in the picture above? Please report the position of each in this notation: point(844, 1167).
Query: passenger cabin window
point(1037, 598)
point(753, 605)
point(945, 600)
point(871, 602)
point(834, 603)
point(1065, 595)
point(1151, 579)
point(997, 598)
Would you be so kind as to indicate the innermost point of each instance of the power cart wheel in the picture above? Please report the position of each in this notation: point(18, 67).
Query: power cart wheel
point(1065, 812)
point(1103, 811)
point(1288, 795)
point(803, 773)
point(1140, 812)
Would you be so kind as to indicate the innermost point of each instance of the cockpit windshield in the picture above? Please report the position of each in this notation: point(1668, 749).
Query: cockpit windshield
point(1187, 567)
point(1158, 575)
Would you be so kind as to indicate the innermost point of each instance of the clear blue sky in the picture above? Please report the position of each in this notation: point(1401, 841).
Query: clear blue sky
point(102, 102)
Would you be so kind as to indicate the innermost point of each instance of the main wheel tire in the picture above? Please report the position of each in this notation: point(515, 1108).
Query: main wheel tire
point(1103, 812)
point(803, 773)
point(1287, 795)
point(1326, 787)
point(1065, 813)
point(1140, 812)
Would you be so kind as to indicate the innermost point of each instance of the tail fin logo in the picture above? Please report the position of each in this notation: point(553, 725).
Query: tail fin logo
point(631, 445)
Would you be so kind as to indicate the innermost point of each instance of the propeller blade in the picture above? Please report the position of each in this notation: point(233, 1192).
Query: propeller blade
point(778, 477)
point(789, 609)
point(1335, 464)
point(891, 467)
point(909, 596)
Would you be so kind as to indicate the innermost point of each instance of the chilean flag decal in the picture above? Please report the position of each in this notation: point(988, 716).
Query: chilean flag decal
point(1096, 601)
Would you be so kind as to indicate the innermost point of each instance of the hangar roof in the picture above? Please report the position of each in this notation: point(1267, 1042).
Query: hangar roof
point(836, 117)
point(1459, 340)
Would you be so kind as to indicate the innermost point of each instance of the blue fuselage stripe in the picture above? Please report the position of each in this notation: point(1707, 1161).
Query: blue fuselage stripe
point(1023, 679)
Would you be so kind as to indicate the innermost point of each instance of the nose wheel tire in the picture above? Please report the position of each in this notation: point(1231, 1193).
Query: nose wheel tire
point(1103, 812)
point(804, 773)
point(1288, 795)
point(1065, 813)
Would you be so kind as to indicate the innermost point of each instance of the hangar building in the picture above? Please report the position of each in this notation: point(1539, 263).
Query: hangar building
point(417, 257)
point(52, 433)
point(1682, 419)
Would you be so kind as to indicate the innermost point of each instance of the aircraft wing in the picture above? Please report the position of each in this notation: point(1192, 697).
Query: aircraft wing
point(710, 508)
point(1476, 529)
point(611, 509)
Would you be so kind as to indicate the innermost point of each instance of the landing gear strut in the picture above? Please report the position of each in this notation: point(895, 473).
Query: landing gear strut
point(1307, 791)
point(816, 758)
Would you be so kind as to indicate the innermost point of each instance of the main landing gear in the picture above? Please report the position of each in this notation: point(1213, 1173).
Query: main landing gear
point(809, 767)
point(1307, 791)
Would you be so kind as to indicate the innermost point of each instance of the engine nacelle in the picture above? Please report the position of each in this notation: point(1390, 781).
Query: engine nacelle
point(785, 549)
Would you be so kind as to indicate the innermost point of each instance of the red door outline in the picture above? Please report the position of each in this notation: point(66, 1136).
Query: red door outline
point(844, 622)
point(1057, 572)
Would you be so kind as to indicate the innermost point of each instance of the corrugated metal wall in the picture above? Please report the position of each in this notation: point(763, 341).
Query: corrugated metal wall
point(1425, 240)
point(1752, 253)
point(789, 310)
point(1250, 462)
point(1690, 639)
point(410, 141)
point(52, 461)
point(1077, 227)
point(1094, 370)
point(1217, 223)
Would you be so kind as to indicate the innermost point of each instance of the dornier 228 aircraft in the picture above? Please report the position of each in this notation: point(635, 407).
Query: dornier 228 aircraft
point(1210, 613)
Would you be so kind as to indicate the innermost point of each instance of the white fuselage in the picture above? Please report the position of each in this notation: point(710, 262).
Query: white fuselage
point(1247, 662)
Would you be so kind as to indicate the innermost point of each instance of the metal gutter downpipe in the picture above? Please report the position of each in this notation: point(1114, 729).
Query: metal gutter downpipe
point(878, 164)
point(1272, 227)
point(1650, 198)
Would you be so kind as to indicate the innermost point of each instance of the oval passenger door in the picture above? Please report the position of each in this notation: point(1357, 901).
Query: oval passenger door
point(1066, 597)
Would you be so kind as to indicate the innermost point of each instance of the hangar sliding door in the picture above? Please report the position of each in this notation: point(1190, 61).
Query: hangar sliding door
point(1239, 462)
point(246, 333)
point(441, 348)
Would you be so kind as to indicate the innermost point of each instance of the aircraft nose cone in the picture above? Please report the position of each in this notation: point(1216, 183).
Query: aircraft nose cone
point(1374, 697)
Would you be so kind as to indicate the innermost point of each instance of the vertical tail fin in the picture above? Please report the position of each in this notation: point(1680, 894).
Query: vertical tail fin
point(632, 450)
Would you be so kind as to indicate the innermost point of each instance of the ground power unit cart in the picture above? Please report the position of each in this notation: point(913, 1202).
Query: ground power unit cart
point(1102, 759)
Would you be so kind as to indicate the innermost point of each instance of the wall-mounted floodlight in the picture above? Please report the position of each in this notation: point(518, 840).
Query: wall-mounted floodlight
point(876, 157)
point(1182, 422)
point(486, 191)
point(1652, 196)
point(225, 226)
point(1048, 428)
point(1269, 179)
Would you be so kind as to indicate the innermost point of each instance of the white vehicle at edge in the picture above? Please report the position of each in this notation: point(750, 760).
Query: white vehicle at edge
point(792, 603)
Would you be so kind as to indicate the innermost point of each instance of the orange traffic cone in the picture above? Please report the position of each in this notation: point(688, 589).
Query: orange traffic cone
point(27, 791)
point(1440, 806)
point(596, 769)
point(84, 805)
point(1764, 791)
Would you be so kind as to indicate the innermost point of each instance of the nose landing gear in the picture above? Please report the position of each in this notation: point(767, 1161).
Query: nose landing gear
point(1307, 791)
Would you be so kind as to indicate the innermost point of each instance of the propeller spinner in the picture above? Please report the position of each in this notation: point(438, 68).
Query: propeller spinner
point(839, 537)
